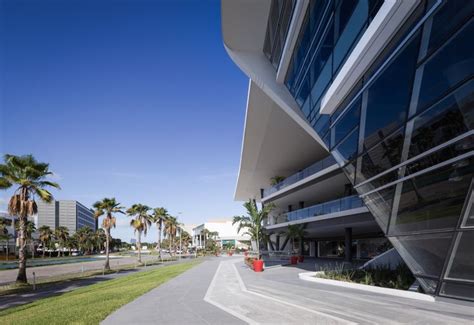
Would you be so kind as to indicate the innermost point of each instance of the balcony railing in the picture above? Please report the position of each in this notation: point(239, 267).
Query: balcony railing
point(342, 204)
point(308, 171)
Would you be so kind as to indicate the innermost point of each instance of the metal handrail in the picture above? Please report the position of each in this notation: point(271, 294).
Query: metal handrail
point(308, 171)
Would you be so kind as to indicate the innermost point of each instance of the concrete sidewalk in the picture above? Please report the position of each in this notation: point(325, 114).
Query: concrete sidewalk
point(178, 301)
point(225, 291)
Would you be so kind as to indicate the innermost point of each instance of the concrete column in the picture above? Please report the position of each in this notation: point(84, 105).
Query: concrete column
point(277, 242)
point(312, 248)
point(348, 245)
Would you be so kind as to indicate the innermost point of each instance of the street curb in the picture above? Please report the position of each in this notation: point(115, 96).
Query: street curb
point(312, 277)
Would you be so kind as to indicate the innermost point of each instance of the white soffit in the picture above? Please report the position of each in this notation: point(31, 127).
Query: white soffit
point(392, 14)
point(273, 145)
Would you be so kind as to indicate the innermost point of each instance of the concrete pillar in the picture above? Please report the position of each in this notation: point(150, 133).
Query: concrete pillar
point(312, 248)
point(348, 245)
point(277, 242)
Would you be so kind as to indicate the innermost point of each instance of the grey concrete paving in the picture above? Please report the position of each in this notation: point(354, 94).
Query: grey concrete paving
point(44, 291)
point(350, 304)
point(178, 301)
point(277, 296)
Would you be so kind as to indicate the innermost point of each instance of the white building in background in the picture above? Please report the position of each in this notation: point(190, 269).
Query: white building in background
point(227, 233)
point(8, 243)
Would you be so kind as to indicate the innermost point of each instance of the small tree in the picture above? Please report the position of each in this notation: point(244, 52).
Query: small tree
point(45, 235)
point(140, 223)
point(253, 222)
point(295, 232)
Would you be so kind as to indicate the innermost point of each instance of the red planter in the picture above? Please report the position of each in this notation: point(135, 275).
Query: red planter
point(293, 260)
point(300, 259)
point(246, 253)
point(230, 254)
point(258, 265)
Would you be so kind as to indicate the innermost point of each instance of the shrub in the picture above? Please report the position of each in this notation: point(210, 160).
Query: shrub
point(381, 276)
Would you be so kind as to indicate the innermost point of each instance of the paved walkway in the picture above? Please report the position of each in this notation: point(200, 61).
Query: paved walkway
point(178, 301)
point(237, 295)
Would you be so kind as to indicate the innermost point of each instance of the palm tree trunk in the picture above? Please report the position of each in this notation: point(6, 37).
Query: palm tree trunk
point(107, 240)
point(21, 278)
point(139, 246)
point(44, 248)
point(158, 246)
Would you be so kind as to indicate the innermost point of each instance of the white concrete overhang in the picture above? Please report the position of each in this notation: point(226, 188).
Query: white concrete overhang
point(278, 140)
point(388, 20)
point(273, 145)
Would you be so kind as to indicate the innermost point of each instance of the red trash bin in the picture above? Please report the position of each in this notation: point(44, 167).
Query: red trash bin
point(258, 265)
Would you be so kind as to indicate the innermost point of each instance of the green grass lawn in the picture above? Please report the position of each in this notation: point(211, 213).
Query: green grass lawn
point(92, 304)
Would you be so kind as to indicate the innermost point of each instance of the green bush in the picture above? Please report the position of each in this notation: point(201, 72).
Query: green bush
point(381, 276)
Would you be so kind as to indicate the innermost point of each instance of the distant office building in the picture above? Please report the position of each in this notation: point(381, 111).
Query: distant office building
point(65, 213)
point(133, 241)
point(226, 233)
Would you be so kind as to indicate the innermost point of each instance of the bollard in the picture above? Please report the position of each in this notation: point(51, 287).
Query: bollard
point(103, 271)
point(34, 281)
point(82, 269)
point(145, 264)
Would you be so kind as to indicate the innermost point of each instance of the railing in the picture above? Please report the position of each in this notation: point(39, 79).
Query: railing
point(308, 171)
point(342, 204)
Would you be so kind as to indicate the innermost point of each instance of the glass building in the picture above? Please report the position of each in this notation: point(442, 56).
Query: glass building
point(398, 120)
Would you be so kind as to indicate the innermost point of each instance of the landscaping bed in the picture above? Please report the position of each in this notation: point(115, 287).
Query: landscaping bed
point(399, 278)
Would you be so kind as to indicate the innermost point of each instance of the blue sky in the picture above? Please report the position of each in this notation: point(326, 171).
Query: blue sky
point(132, 99)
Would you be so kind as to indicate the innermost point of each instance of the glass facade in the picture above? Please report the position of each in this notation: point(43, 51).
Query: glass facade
point(404, 135)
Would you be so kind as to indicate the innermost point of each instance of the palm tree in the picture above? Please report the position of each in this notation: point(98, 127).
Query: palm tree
point(295, 232)
point(85, 240)
point(29, 176)
point(205, 234)
point(61, 234)
point(185, 238)
point(107, 207)
point(71, 243)
point(30, 228)
point(99, 239)
point(45, 235)
point(171, 226)
point(140, 224)
point(253, 221)
point(158, 217)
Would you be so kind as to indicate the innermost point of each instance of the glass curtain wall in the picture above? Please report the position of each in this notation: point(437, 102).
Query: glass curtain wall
point(405, 139)
point(404, 135)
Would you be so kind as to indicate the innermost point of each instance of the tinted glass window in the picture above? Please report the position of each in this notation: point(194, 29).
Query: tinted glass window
point(461, 267)
point(450, 16)
point(347, 122)
point(451, 65)
point(434, 200)
point(347, 150)
point(458, 290)
point(380, 204)
point(389, 96)
point(424, 254)
point(382, 157)
point(447, 119)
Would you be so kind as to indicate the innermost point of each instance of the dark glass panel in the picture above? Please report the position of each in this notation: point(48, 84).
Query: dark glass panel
point(347, 122)
point(389, 96)
point(424, 254)
point(380, 205)
point(350, 170)
point(469, 213)
point(347, 150)
point(444, 121)
point(458, 290)
point(434, 200)
point(351, 17)
point(449, 66)
point(461, 267)
point(448, 19)
point(322, 124)
point(456, 149)
point(382, 157)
